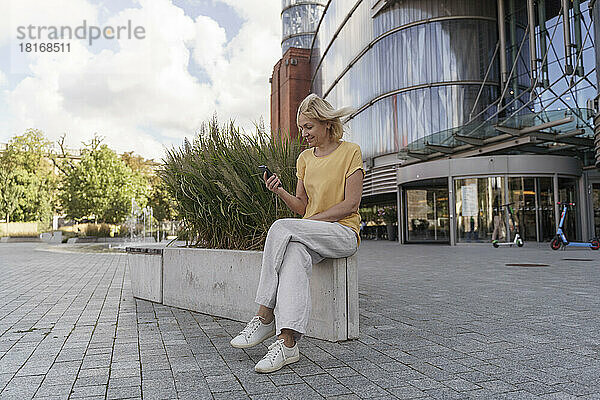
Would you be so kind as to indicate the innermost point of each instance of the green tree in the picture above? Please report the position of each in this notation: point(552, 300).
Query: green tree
point(101, 185)
point(28, 184)
point(10, 193)
point(158, 196)
point(161, 200)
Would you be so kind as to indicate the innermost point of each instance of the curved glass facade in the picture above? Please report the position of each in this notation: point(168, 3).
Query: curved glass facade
point(415, 68)
point(299, 21)
point(397, 120)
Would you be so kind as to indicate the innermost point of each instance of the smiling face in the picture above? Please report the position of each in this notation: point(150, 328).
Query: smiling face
point(315, 132)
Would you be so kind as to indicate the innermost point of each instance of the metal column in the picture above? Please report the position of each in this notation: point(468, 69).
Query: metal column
point(543, 45)
point(401, 215)
point(452, 208)
point(532, 46)
point(513, 44)
point(502, 40)
point(578, 42)
point(556, 208)
point(507, 237)
point(567, 37)
point(538, 216)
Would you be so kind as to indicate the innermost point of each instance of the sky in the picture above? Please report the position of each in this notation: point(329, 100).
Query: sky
point(141, 93)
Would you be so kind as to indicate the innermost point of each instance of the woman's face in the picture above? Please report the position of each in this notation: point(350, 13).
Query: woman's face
point(315, 132)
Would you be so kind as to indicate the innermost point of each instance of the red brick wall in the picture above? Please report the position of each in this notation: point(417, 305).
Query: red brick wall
point(290, 84)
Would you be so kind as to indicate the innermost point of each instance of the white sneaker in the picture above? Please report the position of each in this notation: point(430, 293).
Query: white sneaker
point(278, 356)
point(254, 333)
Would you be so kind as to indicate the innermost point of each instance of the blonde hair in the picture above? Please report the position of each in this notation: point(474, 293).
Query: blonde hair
point(316, 108)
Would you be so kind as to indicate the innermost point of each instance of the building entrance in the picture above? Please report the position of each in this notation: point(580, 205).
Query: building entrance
point(427, 213)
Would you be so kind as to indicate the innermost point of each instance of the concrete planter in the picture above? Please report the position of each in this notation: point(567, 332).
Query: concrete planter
point(146, 271)
point(224, 282)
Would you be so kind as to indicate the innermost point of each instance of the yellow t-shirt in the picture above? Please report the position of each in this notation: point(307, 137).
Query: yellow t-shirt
point(324, 179)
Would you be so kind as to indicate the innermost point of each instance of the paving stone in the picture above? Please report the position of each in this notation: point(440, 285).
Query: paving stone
point(269, 396)
point(124, 373)
point(407, 392)
point(426, 383)
point(326, 385)
point(362, 386)
point(461, 385)
point(253, 387)
point(88, 391)
point(125, 382)
point(444, 393)
point(497, 386)
point(223, 383)
point(21, 387)
point(341, 371)
point(93, 380)
point(124, 392)
point(286, 379)
point(235, 395)
point(537, 388)
point(298, 391)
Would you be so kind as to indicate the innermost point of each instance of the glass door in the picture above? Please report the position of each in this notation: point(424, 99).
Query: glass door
point(567, 192)
point(546, 209)
point(521, 192)
point(478, 209)
point(427, 214)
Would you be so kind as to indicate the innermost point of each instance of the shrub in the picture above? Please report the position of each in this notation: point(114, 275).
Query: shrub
point(66, 235)
point(123, 230)
point(98, 230)
point(219, 191)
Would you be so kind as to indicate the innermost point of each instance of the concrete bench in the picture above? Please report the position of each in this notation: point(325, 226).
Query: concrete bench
point(223, 283)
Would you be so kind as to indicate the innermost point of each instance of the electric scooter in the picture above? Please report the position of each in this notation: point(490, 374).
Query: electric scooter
point(560, 240)
point(518, 241)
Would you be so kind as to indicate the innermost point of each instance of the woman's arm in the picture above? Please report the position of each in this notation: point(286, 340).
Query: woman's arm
point(351, 202)
point(295, 203)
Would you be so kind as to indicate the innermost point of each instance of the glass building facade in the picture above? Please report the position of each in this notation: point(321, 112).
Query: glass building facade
point(299, 22)
point(414, 69)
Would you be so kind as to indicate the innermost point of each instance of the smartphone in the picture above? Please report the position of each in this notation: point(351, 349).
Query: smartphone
point(263, 169)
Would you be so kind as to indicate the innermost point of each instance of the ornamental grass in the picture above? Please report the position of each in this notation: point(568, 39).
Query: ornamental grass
point(219, 191)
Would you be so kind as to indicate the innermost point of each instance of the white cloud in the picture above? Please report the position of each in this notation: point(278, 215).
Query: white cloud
point(141, 96)
point(3, 80)
point(254, 52)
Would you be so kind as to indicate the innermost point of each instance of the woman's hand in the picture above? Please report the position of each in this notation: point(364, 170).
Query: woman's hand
point(272, 183)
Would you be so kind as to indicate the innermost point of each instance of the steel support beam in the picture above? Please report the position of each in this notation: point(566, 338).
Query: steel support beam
point(513, 44)
point(418, 156)
point(529, 129)
point(578, 42)
point(567, 37)
point(543, 45)
point(511, 131)
point(440, 148)
point(469, 139)
point(532, 44)
point(502, 40)
point(548, 137)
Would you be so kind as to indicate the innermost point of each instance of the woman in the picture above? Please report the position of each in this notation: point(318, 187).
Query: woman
point(328, 193)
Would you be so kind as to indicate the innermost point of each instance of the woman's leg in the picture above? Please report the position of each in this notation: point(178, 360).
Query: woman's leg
point(310, 241)
point(292, 308)
point(265, 313)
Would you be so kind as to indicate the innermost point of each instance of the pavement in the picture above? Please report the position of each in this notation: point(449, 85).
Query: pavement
point(437, 322)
